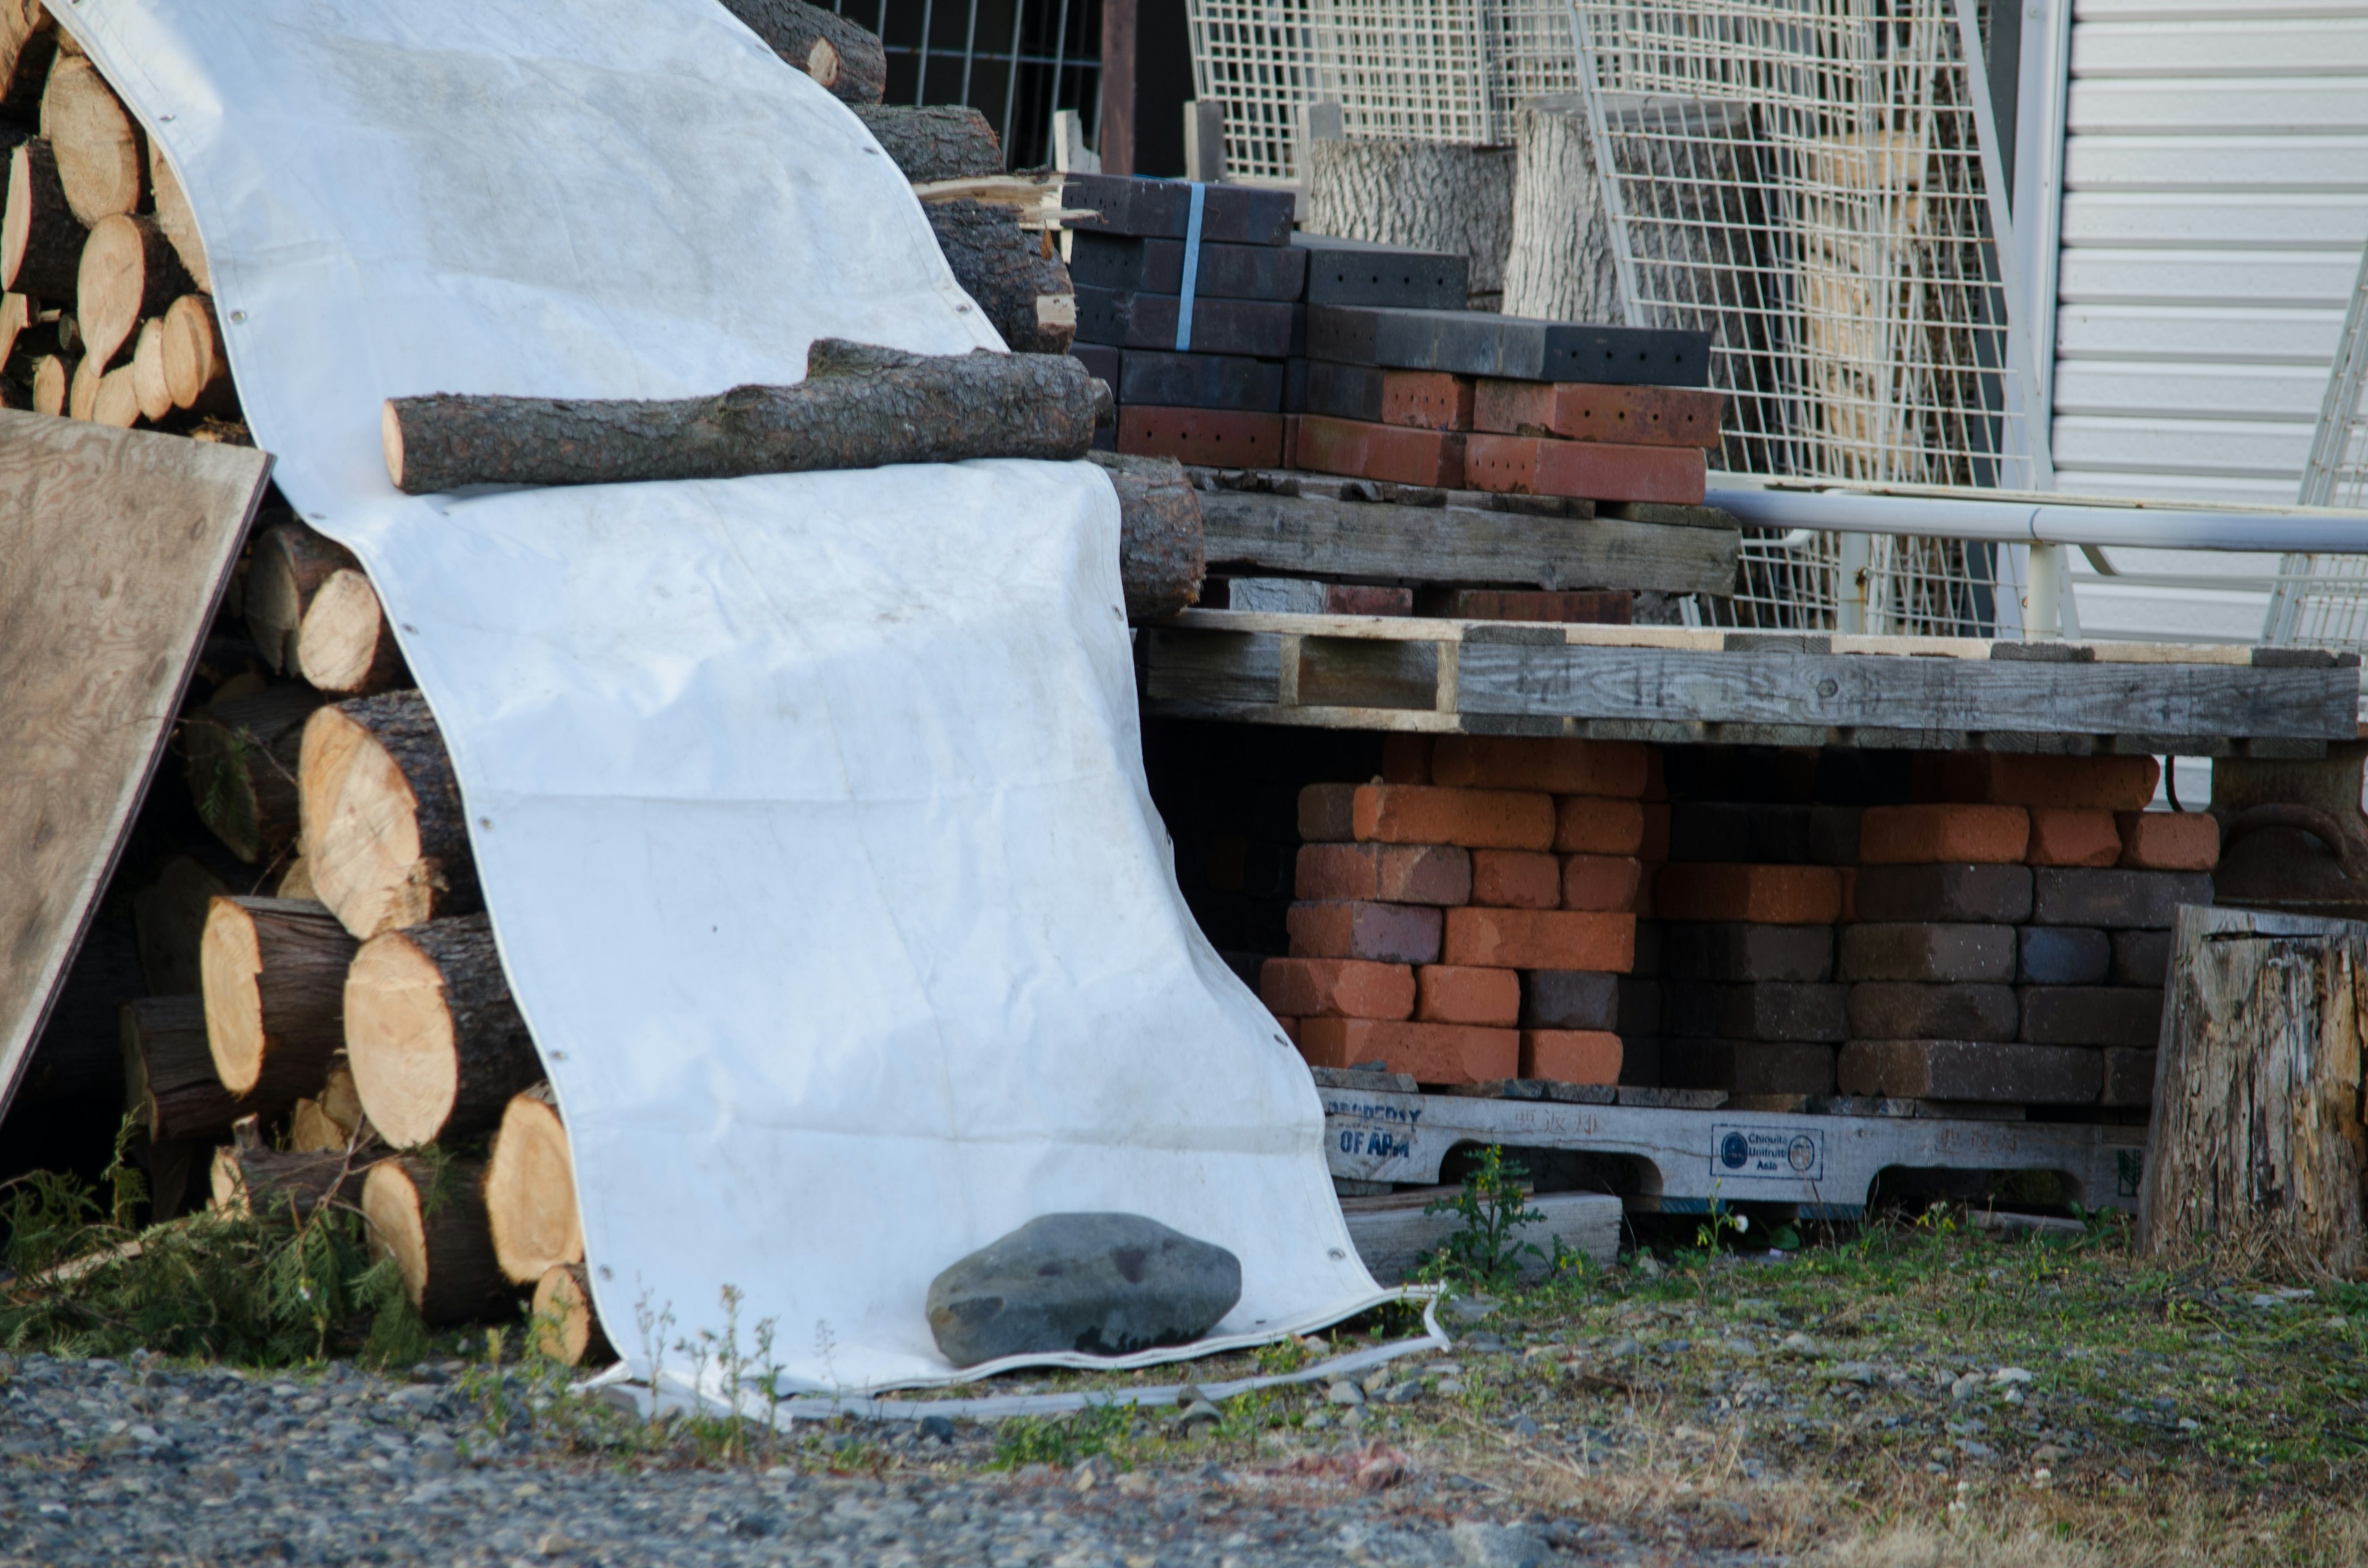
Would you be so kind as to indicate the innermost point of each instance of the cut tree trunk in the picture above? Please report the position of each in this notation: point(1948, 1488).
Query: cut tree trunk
point(243, 755)
point(934, 141)
point(117, 402)
point(859, 406)
point(1559, 265)
point(436, 1045)
point(346, 646)
point(1433, 196)
point(29, 43)
point(40, 239)
point(148, 382)
point(275, 972)
point(169, 916)
point(128, 273)
point(530, 1189)
point(197, 366)
point(274, 1185)
point(564, 1324)
point(53, 378)
point(285, 570)
point(1161, 555)
point(385, 832)
point(430, 1217)
point(2257, 1145)
point(102, 157)
point(827, 47)
point(169, 1084)
point(176, 218)
point(1024, 292)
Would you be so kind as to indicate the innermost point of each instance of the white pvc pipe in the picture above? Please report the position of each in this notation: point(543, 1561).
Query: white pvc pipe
point(2135, 525)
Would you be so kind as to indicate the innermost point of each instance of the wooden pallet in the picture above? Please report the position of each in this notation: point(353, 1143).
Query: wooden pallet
point(1684, 1160)
point(1681, 685)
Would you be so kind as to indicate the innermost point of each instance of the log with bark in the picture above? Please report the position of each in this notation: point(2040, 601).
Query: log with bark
point(175, 217)
point(274, 974)
point(530, 1189)
point(128, 273)
point(197, 366)
point(437, 1046)
point(248, 1178)
point(385, 836)
point(2257, 1150)
point(169, 916)
point(934, 141)
point(40, 239)
point(102, 154)
point(286, 567)
point(1559, 265)
point(1161, 558)
point(331, 1118)
point(241, 757)
point(1023, 292)
point(169, 1084)
point(566, 1327)
point(843, 57)
point(346, 646)
point(428, 1214)
point(859, 406)
point(1433, 196)
point(28, 44)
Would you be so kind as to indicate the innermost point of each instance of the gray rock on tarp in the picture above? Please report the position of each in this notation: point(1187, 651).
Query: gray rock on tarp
point(1102, 1284)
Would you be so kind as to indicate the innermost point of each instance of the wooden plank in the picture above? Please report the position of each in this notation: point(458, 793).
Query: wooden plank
point(1310, 536)
point(1350, 672)
point(1225, 666)
point(1845, 690)
point(114, 548)
point(1394, 1237)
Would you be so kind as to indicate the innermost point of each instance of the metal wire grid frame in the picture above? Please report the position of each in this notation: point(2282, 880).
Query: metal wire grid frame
point(1014, 61)
point(2322, 600)
point(1802, 580)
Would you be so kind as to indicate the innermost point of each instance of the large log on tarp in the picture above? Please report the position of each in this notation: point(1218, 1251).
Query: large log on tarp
point(934, 141)
point(2257, 1148)
point(835, 52)
point(128, 532)
point(859, 406)
point(1025, 292)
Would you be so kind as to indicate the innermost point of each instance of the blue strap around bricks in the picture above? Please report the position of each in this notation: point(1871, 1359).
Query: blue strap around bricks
point(1191, 268)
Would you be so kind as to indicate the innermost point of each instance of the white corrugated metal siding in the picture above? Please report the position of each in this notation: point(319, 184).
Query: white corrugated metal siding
point(2215, 199)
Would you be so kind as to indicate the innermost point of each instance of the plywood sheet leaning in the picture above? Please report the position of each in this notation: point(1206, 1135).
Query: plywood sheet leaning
point(114, 547)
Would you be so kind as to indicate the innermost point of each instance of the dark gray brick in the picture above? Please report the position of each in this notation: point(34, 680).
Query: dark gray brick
point(1996, 895)
point(1926, 951)
point(2129, 1077)
point(1782, 1010)
point(1833, 834)
point(2065, 955)
point(2075, 895)
point(1971, 1069)
point(1888, 1009)
point(1570, 999)
point(1640, 1006)
point(1640, 1061)
point(1736, 950)
point(1748, 1067)
point(2141, 958)
point(2092, 1015)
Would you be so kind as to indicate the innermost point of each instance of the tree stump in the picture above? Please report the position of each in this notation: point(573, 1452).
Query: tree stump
point(1433, 196)
point(2257, 1141)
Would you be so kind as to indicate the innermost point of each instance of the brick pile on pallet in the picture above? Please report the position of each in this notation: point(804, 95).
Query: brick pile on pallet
point(1467, 917)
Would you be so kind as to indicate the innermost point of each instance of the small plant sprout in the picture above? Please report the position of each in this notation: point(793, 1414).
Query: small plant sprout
point(1484, 1252)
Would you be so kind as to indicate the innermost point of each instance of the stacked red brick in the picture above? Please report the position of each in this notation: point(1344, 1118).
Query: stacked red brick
point(2010, 940)
point(1467, 917)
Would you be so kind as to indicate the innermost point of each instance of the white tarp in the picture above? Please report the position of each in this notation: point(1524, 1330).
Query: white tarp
point(810, 809)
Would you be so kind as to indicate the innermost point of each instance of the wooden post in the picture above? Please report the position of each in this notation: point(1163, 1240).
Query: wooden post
point(2256, 1142)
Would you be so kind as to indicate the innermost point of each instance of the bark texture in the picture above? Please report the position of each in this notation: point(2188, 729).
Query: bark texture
point(169, 916)
point(564, 1324)
point(1023, 292)
point(1559, 265)
point(859, 407)
point(40, 239)
point(843, 57)
point(286, 567)
point(530, 1189)
point(384, 830)
point(241, 757)
point(102, 157)
point(2257, 1144)
point(273, 1184)
point(437, 1046)
point(129, 272)
point(1162, 555)
point(935, 141)
point(430, 1217)
point(169, 1084)
point(345, 644)
point(1434, 196)
point(274, 971)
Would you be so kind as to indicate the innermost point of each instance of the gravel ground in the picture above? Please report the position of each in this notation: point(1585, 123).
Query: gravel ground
point(154, 1463)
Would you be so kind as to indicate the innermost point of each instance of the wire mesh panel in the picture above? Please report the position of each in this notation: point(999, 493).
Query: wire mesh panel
point(1258, 58)
point(1014, 61)
point(2322, 600)
point(1802, 580)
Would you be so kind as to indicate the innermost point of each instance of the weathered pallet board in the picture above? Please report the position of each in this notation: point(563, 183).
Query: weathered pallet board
point(1394, 1237)
point(1685, 685)
point(1687, 1159)
point(1316, 537)
point(114, 548)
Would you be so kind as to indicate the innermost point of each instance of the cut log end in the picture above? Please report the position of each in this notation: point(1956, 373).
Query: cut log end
point(822, 62)
point(389, 434)
point(566, 1327)
point(273, 972)
point(197, 366)
point(345, 644)
point(230, 958)
point(382, 824)
point(431, 1222)
point(398, 1039)
point(530, 1190)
